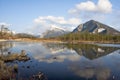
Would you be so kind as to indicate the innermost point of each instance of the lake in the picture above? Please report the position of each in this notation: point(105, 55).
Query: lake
point(66, 61)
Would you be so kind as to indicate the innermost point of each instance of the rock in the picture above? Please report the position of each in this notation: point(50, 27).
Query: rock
point(55, 58)
point(23, 53)
point(28, 66)
point(39, 76)
point(9, 52)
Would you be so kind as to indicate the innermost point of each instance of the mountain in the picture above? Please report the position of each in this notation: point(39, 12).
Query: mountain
point(25, 35)
point(54, 32)
point(95, 27)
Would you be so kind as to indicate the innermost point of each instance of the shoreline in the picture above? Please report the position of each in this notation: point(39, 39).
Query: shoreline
point(60, 41)
point(71, 42)
point(2, 40)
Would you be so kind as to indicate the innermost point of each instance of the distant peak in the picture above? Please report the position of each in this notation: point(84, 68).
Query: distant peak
point(91, 21)
point(53, 27)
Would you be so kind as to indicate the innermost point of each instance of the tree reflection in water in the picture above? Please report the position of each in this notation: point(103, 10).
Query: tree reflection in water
point(92, 66)
point(74, 62)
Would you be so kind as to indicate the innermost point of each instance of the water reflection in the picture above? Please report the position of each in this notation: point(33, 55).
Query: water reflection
point(66, 61)
point(92, 51)
point(99, 72)
point(58, 53)
point(88, 59)
point(5, 46)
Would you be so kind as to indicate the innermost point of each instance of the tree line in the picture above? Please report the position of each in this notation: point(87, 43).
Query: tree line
point(89, 37)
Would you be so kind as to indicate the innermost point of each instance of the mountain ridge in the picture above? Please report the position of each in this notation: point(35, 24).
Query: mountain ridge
point(54, 32)
point(93, 26)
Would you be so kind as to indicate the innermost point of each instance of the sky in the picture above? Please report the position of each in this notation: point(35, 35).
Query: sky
point(37, 16)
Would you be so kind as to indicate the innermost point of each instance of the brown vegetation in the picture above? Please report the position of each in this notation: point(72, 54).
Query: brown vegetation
point(9, 72)
point(14, 56)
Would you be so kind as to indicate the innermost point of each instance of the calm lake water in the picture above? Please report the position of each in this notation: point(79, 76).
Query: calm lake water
point(66, 61)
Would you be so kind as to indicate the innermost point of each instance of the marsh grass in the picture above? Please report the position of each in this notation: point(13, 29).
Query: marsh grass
point(9, 72)
point(5, 71)
point(14, 56)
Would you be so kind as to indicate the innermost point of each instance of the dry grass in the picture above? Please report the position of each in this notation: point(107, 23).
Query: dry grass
point(6, 72)
point(15, 56)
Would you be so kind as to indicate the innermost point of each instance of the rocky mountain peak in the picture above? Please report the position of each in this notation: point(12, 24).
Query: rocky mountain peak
point(93, 26)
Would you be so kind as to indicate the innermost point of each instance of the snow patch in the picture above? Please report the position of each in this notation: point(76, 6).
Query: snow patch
point(101, 50)
point(101, 30)
point(54, 27)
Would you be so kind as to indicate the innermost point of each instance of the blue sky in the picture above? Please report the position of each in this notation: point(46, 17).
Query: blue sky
point(35, 16)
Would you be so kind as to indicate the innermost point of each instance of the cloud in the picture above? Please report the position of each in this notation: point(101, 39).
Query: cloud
point(83, 11)
point(88, 6)
point(49, 53)
point(89, 70)
point(46, 22)
point(57, 20)
point(102, 6)
point(5, 24)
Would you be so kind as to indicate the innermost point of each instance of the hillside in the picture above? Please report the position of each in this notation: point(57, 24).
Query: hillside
point(96, 27)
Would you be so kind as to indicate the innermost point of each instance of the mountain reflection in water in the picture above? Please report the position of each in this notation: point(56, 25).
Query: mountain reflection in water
point(92, 51)
point(67, 61)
